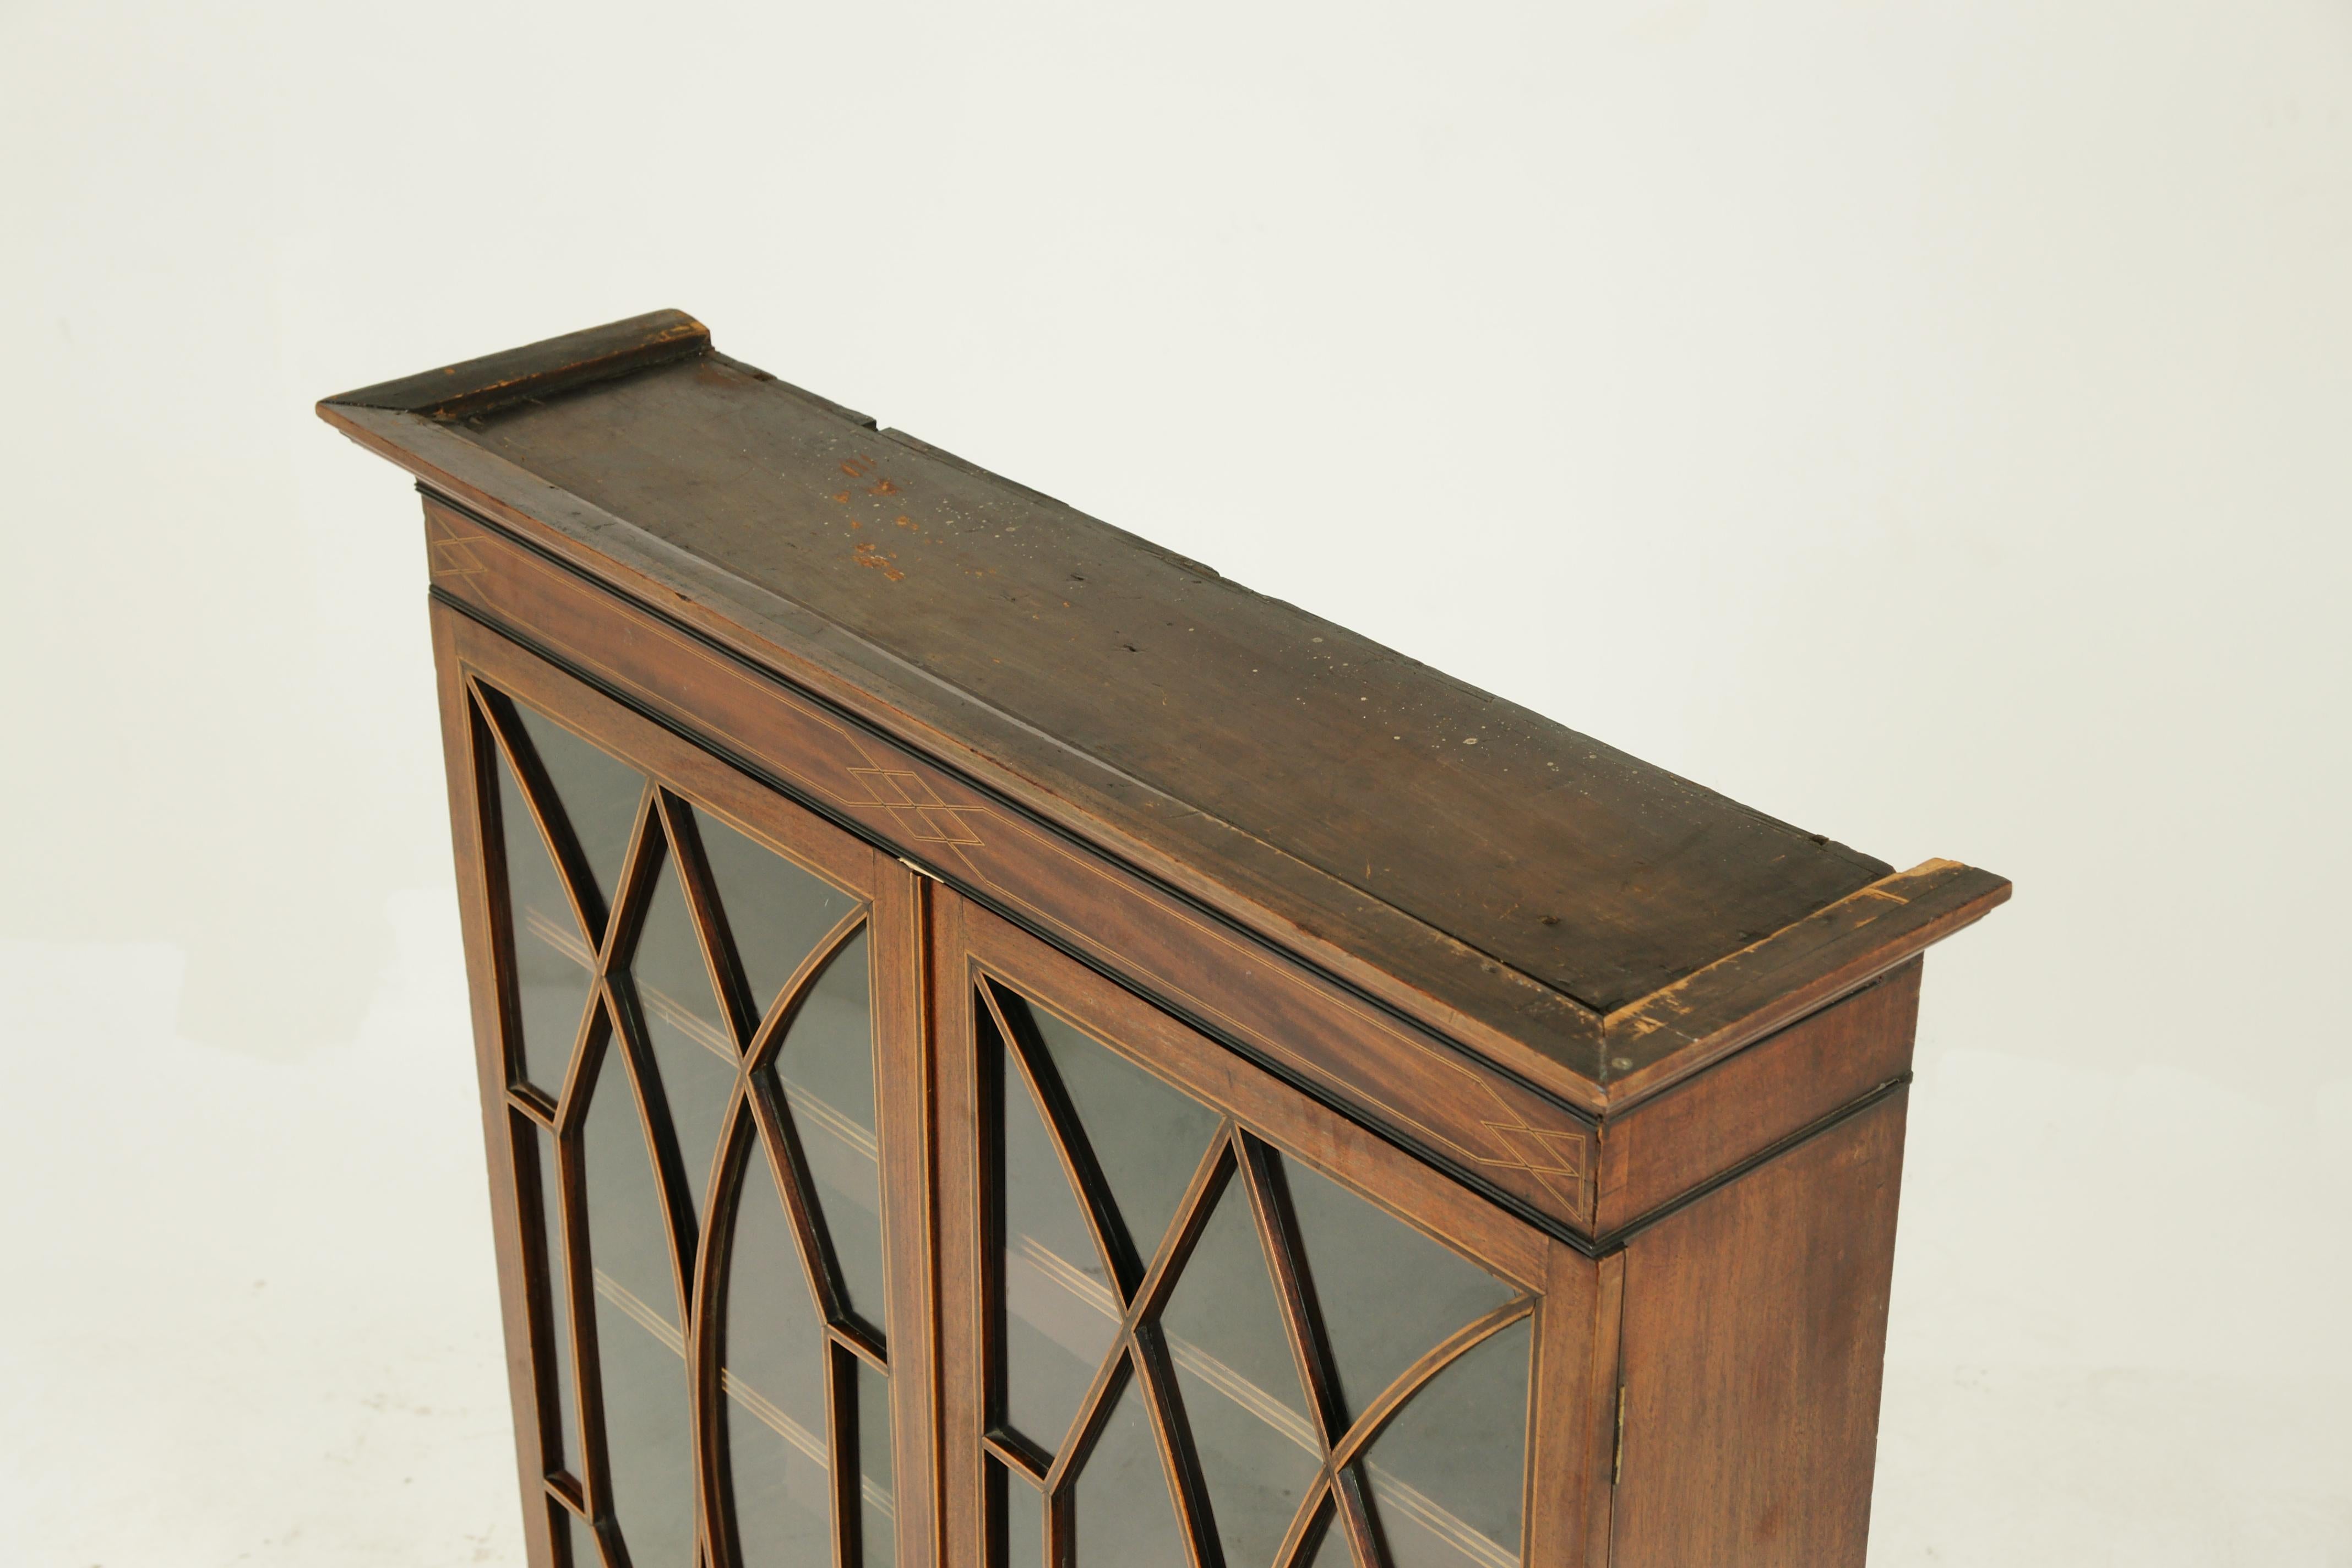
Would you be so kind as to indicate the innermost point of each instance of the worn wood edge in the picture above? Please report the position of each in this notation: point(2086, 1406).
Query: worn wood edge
point(1569, 1051)
point(1559, 1053)
point(1606, 1243)
point(1797, 970)
point(1632, 1160)
point(534, 369)
point(816, 399)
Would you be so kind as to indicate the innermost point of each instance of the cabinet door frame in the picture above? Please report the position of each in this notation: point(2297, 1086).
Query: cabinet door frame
point(476, 668)
point(930, 942)
point(1571, 1405)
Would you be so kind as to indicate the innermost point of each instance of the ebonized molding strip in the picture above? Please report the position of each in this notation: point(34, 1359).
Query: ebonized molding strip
point(537, 370)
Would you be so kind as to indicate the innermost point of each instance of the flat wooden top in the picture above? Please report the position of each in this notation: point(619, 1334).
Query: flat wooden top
point(1349, 788)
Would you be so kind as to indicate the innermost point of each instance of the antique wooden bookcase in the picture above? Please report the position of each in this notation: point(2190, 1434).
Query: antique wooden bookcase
point(999, 1047)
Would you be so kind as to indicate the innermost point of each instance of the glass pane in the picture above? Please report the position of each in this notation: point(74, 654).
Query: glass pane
point(692, 1048)
point(639, 1347)
point(1024, 1520)
point(1147, 1136)
point(563, 1453)
point(1447, 1471)
point(774, 1357)
point(1240, 1386)
point(1388, 1292)
point(551, 958)
point(775, 910)
point(878, 1491)
point(1060, 1315)
point(826, 1065)
point(1126, 1516)
point(600, 794)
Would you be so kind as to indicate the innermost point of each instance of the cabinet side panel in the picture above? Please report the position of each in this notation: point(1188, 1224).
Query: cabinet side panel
point(1755, 1331)
point(482, 988)
point(1664, 1147)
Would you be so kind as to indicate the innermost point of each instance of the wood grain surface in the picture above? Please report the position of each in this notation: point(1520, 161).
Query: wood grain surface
point(1641, 1052)
point(1755, 1328)
point(1652, 1155)
point(1497, 876)
point(1491, 1129)
point(1563, 857)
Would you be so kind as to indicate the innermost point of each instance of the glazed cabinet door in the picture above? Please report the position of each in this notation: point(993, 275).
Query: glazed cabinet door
point(1191, 1319)
point(699, 1017)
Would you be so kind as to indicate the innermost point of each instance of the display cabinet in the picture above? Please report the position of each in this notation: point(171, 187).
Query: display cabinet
point(999, 1047)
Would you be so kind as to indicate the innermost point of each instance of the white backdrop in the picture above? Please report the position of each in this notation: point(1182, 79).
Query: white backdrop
point(1927, 422)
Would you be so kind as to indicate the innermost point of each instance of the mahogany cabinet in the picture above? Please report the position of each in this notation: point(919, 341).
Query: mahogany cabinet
point(1001, 1046)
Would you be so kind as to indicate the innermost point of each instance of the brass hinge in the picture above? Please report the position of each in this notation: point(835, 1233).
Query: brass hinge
point(922, 870)
point(1617, 1459)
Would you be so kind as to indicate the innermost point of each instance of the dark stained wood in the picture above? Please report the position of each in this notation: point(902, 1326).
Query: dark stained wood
point(1755, 1325)
point(891, 897)
point(1303, 1529)
point(1278, 1230)
point(1200, 1194)
point(533, 1104)
point(1666, 1038)
point(539, 1193)
point(1575, 1406)
point(788, 1165)
point(1220, 741)
point(769, 1037)
point(565, 1490)
point(599, 1052)
point(1140, 1356)
point(1492, 1130)
point(546, 811)
point(848, 1514)
point(1642, 1053)
point(1027, 1058)
point(709, 919)
point(968, 1242)
point(1425, 973)
point(1469, 814)
point(973, 945)
point(1172, 1430)
point(487, 832)
point(1357, 1518)
point(1436, 1359)
point(1664, 1147)
point(686, 769)
point(907, 1109)
point(486, 988)
point(1262, 1105)
point(704, 1360)
point(1007, 1448)
point(539, 370)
